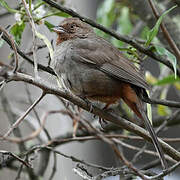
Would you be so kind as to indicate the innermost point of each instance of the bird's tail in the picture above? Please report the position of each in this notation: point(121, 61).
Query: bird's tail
point(138, 109)
point(154, 137)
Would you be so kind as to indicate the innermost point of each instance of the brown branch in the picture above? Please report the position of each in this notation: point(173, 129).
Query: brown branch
point(162, 102)
point(115, 149)
point(139, 149)
point(23, 55)
point(13, 45)
point(50, 89)
point(61, 140)
point(168, 171)
point(170, 41)
point(16, 157)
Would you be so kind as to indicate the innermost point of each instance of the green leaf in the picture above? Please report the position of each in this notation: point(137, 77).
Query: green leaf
point(47, 42)
point(48, 25)
point(167, 80)
point(62, 14)
point(144, 32)
point(153, 32)
point(164, 52)
point(17, 30)
point(6, 6)
point(163, 110)
point(149, 109)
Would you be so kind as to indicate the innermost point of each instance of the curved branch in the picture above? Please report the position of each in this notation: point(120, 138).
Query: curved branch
point(23, 55)
point(50, 89)
point(50, 70)
point(13, 45)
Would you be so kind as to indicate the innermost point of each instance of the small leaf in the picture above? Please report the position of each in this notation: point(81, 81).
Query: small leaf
point(163, 110)
point(153, 32)
point(149, 110)
point(150, 78)
point(47, 42)
point(6, 6)
point(48, 25)
point(177, 85)
point(17, 30)
point(62, 14)
point(163, 51)
point(167, 80)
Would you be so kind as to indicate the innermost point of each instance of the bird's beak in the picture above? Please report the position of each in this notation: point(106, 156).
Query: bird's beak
point(58, 29)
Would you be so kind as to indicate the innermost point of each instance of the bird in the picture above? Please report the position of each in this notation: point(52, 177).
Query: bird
point(93, 69)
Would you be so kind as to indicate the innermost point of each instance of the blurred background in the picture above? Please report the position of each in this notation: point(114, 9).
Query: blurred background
point(128, 17)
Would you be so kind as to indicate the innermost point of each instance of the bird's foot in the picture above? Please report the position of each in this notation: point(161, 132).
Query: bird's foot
point(102, 123)
point(88, 103)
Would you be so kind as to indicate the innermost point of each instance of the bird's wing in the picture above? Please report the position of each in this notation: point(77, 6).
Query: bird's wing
point(99, 53)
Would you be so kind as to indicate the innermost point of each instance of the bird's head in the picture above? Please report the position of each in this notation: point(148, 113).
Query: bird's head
point(71, 28)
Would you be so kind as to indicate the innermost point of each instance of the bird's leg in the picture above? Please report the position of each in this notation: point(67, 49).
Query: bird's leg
point(84, 98)
point(103, 122)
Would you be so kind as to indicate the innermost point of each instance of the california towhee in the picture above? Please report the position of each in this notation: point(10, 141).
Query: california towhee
point(94, 69)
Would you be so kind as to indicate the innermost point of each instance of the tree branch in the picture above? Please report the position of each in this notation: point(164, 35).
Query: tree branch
point(23, 55)
point(13, 45)
point(50, 89)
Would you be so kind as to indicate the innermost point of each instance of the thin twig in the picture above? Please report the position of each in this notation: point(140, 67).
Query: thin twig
point(162, 102)
point(7, 108)
point(18, 121)
point(34, 37)
point(139, 153)
point(35, 112)
point(13, 47)
point(74, 159)
point(139, 149)
point(23, 55)
point(83, 174)
point(54, 167)
point(168, 171)
point(19, 172)
point(50, 89)
point(115, 149)
point(8, 153)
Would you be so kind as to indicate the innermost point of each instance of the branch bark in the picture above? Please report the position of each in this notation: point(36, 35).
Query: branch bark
point(50, 89)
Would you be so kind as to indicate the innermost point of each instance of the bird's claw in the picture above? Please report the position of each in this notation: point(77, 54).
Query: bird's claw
point(88, 103)
point(102, 123)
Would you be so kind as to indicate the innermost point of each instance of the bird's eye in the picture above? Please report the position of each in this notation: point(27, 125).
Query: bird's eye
point(72, 26)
